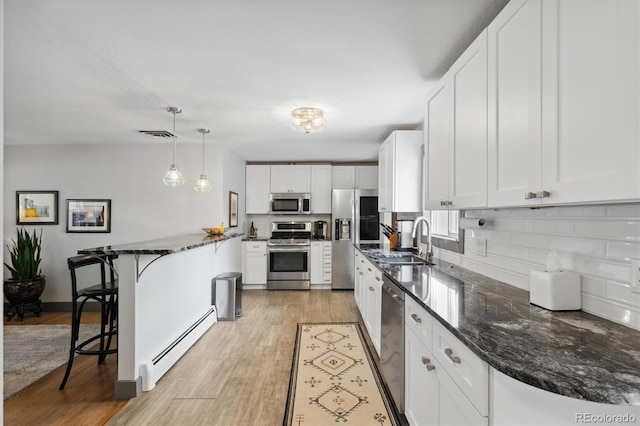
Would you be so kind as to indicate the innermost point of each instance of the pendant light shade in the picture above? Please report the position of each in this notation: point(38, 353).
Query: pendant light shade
point(203, 185)
point(173, 177)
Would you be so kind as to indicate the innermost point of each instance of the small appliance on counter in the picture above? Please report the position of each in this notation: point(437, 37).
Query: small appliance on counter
point(321, 230)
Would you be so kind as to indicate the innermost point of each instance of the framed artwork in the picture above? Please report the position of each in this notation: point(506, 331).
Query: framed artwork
point(233, 209)
point(88, 216)
point(37, 207)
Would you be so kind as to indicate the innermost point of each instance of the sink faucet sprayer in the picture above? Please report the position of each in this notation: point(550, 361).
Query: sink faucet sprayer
point(415, 228)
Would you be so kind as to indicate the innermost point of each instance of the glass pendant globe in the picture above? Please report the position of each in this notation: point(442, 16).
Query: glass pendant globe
point(202, 185)
point(173, 177)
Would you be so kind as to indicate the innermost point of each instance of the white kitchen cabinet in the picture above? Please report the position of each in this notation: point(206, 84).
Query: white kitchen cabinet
point(455, 138)
point(514, 402)
point(321, 189)
point(254, 262)
point(373, 306)
point(368, 295)
point(354, 177)
point(366, 177)
point(432, 396)
point(400, 172)
point(564, 103)
point(294, 178)
point(320, 258)
point(257, 189)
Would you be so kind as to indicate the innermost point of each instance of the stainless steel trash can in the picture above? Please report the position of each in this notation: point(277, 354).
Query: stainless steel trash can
point(227, 295)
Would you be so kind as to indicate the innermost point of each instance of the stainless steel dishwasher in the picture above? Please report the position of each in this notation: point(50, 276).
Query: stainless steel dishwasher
point(392, 341)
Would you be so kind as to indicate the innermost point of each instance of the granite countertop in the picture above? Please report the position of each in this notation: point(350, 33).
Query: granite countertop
point(162, 245)
point(574, 353)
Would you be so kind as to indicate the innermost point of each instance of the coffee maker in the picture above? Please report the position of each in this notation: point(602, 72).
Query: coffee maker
point(321, 230)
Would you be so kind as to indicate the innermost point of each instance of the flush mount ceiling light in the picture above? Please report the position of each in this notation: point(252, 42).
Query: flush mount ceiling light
point(307, 119)
point(173, 177)
point(203, 185)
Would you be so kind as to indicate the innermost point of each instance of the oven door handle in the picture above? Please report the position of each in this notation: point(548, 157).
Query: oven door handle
point(290, 249)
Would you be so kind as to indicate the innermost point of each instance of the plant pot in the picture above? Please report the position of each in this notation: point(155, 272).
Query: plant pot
point(23, 292)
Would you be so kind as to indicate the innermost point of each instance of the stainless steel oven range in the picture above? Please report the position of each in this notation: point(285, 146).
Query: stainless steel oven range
point(288, 256)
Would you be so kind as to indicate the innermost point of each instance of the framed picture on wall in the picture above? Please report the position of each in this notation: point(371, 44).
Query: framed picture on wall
point(37, 207)
point(233, 209)
point(88, 216)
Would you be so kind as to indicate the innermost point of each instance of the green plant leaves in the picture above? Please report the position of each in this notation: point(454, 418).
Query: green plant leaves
point(25, 255)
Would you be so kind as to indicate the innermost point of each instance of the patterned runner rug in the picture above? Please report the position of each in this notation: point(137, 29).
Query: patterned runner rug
point(334, 380)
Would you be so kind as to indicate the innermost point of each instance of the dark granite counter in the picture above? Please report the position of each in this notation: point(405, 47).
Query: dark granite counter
point(161, 246)
point(575, 354)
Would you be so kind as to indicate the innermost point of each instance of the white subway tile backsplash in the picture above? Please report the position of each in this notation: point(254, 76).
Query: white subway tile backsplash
point(623, 250)
point(593, 286)
point(596, 241)
point(611, 230)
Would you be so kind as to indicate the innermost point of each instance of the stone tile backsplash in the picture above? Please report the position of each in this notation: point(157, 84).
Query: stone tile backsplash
point(598, 242)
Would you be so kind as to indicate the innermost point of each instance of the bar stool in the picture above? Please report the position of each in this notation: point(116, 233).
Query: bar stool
point(105, 293)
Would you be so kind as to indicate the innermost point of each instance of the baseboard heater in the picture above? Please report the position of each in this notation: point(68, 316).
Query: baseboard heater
point(182, 336)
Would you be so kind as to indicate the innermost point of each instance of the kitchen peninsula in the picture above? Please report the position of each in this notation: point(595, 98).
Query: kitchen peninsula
point(164, 304)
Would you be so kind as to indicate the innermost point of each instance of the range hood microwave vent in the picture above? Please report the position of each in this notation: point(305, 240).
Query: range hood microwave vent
point(158, 134)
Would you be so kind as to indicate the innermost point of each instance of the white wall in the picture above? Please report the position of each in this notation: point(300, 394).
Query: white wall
point(143, 207)
point(596, 241)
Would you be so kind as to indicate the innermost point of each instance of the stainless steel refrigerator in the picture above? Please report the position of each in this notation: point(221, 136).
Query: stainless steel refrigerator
point(355, 220)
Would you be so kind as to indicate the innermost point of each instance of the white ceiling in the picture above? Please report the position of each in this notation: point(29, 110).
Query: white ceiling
point(96, 72)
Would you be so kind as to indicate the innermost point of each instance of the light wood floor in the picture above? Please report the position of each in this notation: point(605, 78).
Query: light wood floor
point(236, 374)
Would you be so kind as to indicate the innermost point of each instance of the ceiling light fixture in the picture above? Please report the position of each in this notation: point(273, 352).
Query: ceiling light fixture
point(203, 185)
point(307, 119)
point(173, 177)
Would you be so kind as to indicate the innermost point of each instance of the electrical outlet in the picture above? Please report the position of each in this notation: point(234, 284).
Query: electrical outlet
point(635, 275)
point(481, 247)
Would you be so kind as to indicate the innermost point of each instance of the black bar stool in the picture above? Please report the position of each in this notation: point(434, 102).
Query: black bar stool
point(106, 293)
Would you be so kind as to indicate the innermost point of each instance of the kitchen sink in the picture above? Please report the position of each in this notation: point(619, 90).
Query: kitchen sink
point(408, 259)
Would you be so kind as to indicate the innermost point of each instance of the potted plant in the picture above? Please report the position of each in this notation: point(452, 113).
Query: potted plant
point(26, 284)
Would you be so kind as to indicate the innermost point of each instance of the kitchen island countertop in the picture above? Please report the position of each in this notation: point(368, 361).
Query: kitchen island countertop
point(161, 246)
point(571, 353)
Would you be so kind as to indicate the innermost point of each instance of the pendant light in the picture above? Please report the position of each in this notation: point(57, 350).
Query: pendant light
point(173, 177)
point(203, 185)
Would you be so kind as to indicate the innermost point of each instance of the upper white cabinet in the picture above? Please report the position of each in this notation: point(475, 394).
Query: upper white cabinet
point(400, 171)
point(358, 177)
point(290, 178)
point(455, 138)
point(564, 102)
point(258, 188)
point(320, 188)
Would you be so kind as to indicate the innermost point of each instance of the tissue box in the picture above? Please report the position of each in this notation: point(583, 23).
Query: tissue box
point(556, 291)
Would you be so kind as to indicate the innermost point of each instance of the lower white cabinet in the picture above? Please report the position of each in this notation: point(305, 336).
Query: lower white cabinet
point(254, 262)
point(514, 402)
point(320, 262)
point(368, 295)
point(441, 391)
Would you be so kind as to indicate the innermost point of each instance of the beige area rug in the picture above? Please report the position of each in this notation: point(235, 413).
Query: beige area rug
point(33, 351)
point(334, 379)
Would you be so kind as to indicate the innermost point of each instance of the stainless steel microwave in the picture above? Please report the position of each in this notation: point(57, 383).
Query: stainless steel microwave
point(290, 203)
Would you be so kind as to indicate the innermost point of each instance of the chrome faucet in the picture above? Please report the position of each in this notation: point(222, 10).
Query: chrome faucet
point(416, 222)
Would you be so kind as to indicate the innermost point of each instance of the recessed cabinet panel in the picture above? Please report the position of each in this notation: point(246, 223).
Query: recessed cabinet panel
point(514, 90)
point(591, 139)
point(438, 130)
point(258, 188)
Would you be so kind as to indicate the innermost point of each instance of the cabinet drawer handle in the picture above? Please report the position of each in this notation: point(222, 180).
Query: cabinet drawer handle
point(361, 261)
point(427, 363)
point(445, 203)
point(361, 273)
point(371, 288)
point(416, 318)
point(449, 353)
point(369, 269)
point(543, 194)
point(377, 278)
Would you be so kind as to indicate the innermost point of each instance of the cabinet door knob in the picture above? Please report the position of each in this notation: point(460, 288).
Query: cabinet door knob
point(371, 288)
point(425, 360)
point(530, 195)
point(416, 318)
point(427, 363)
point(377, 278)
point(449, 353)
point(543, 194)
